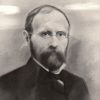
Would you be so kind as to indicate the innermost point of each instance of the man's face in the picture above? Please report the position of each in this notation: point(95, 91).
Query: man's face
point(49, 40)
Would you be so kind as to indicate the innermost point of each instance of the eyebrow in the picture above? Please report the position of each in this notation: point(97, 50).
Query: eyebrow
point(47, 29)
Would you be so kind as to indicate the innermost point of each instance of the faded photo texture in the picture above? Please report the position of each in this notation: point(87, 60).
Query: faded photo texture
point(84, 48)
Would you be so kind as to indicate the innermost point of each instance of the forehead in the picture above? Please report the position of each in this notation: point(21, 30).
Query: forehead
point(53, 18)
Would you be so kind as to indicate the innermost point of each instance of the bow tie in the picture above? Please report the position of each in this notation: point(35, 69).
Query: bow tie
point(54, 76)
point(58, 84)
point(49, 76)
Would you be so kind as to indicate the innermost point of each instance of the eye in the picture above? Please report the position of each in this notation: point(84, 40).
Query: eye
point(45, 34)
point(61, 33)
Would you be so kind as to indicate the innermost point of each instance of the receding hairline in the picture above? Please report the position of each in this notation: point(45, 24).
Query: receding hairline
point(44, 9)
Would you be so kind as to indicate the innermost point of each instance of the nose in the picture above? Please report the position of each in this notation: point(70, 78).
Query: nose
point(54, 42)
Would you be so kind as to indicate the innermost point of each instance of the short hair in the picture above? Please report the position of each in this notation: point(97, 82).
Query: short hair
point(41, 9)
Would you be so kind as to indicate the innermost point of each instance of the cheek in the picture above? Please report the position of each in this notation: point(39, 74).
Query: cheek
point(63, 45)
point(39, 44)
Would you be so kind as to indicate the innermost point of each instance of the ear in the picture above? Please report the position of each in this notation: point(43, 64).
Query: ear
point(26, 35)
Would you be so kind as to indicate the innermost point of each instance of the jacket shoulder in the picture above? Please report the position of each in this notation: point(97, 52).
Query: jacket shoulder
point(14, 74)
point(67, 76)
point(75, 87)
point(24, 75)
point(9, 80)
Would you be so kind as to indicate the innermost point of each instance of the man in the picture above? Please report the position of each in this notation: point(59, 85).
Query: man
point(44, 76)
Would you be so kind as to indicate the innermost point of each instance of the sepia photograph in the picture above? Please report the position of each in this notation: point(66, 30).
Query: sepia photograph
point(49, 49)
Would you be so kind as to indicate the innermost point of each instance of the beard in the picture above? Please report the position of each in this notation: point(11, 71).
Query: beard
point(52, 60)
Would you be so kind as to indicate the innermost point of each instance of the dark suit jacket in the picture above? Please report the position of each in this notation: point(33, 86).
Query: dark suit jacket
point(30, 82)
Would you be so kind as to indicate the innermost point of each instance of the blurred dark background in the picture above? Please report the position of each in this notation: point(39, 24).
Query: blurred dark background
point(84, 49)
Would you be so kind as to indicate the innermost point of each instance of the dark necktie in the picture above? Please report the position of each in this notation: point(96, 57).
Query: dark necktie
point(58, 84)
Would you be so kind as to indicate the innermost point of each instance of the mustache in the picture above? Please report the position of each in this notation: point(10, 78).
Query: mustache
point(60, 56)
